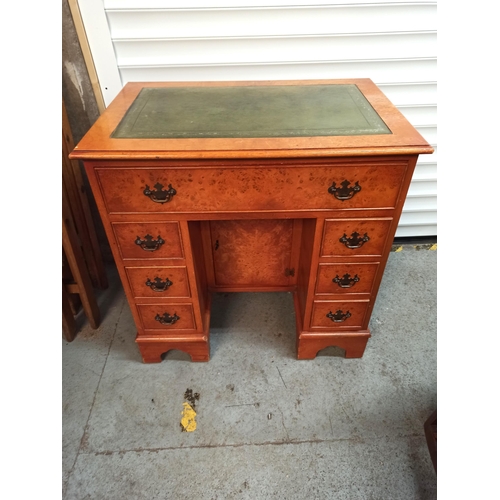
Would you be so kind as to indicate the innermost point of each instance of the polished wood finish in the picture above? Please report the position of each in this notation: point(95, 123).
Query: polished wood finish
point(98, 143)
point(355, 310)
point(235, 244)
point(127, 234)
point(251, 214)
point(351, 278)
point(169, 282)
point(152, 349)
point(375, 229)
point(184, 312)
point(252, 186)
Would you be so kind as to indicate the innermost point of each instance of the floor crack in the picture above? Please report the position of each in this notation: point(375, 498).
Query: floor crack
point(355, 439)
point(331, 426)
point(281, 377)
point(284, 426)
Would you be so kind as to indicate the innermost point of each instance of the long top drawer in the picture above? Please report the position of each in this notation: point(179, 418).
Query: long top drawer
point(241, 188)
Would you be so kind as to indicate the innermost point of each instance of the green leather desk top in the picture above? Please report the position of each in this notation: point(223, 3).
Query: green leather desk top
point(249, 112)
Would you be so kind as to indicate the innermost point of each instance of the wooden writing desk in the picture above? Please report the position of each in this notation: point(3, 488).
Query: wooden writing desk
point(250, 186)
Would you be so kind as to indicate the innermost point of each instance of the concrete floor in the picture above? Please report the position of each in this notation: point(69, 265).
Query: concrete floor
point(268, 426)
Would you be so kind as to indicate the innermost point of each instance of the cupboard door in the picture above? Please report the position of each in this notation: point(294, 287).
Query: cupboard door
point(252, 253)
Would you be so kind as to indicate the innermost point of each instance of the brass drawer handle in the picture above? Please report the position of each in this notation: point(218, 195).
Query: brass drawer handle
point(160, 195)
point(158, 285)
point(166, 319)
point(346, 281)
point(344, 191)
point(148, 243)
point(355, 241)
point(339, 316)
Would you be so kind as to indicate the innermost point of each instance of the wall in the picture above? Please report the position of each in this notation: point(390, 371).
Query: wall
point(393, 43)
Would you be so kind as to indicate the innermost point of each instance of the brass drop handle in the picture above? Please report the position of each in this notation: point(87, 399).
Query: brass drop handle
point(160, 195)
point(355, 241)
point(149, 244)
point(346, 281)
point(345, 191)
point(339, 316)
point(157, 285)
point(166, 319)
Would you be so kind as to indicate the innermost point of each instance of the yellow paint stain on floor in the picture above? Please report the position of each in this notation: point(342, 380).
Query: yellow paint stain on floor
point(399, 249)
point(188, 420)
point(434, 247)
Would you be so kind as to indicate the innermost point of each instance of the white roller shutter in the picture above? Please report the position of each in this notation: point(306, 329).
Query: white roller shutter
point(393, 43)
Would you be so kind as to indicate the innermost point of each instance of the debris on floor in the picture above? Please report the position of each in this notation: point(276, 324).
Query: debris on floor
point(188, 420)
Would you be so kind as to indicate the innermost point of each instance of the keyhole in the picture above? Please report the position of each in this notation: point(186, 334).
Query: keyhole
point(216, 244)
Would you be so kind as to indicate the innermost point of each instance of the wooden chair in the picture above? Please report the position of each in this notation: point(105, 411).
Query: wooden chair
point(83, 267)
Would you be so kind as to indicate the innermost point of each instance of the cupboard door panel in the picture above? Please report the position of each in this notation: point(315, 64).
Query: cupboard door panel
point(251, 252)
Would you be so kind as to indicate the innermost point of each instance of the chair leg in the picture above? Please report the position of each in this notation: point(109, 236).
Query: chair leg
point(79, 270)
point(68, 320)
point(430, 429)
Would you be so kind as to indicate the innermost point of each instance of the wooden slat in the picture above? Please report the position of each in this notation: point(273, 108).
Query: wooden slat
point(76, 262)
point(68, 320)
point(80, 208)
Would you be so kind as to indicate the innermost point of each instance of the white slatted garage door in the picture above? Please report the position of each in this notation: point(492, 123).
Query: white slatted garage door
point(393, 43)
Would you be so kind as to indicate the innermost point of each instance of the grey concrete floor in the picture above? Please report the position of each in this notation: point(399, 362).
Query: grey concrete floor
point(268, 426)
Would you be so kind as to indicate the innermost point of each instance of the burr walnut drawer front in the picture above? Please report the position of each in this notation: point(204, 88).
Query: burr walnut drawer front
point(167, 316)
point(159, 282)
point(148, 240)
point(342, 278)
point(335, 186)
point(338, 314)
point(351, 237)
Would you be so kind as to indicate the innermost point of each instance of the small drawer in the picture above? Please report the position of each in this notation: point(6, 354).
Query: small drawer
point(338, 314)
point(351, 237)
point(159, 282)
point(149, 240)
point(333, 185)
point(345, 278)
point(167, 316)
